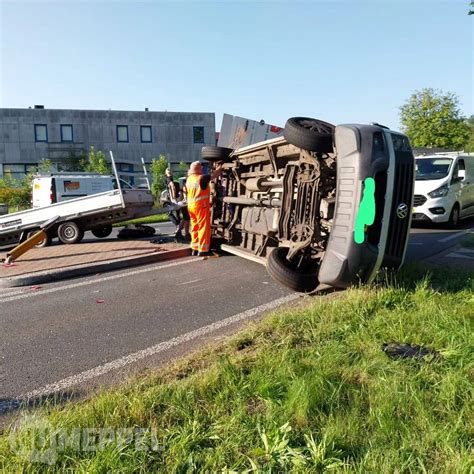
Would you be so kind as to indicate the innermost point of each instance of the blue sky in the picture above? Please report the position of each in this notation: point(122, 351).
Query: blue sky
point(340, 60)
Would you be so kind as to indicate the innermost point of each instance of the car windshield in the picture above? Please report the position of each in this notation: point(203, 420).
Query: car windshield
point(432, 168)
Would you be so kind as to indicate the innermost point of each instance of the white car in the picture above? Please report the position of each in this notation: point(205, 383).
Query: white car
point(444, 189)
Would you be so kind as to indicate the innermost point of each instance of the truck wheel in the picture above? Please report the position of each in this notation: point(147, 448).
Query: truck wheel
point(102, 232)
point(70, 233)
point(215, 153)
point(281, 270)
point(309, 134)
point(44, 243)
point(454, 217)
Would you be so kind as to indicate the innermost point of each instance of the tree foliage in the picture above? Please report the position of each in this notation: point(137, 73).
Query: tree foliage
point(432, 118)
point(95, 162)
point(157, 170)
point(182, 169)
point(470, 142)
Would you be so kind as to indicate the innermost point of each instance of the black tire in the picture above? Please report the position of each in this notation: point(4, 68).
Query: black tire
point(454, 217)
point(310, 134)
point(215, 153)
point(102, 232)
point(44, 243)
point(70, 233)
point(281, 270)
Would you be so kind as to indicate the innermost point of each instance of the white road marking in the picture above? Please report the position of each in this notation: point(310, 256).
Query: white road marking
point(465, 250)
point(10, 292)
point(95, 281)
point(150, 351)
point(191, 281)
point(460, 255)
point(454, 236)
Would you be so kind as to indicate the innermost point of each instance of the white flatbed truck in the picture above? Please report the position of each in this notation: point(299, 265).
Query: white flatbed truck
point(96, 212)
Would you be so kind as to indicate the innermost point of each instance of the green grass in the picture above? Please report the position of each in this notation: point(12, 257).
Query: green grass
point(145, 220)
point(307, 389)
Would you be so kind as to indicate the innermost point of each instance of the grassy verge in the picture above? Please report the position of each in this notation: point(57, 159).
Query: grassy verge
point(306, 390)
point(145, 220)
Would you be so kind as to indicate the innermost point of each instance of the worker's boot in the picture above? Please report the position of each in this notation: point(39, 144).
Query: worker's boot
point(204, 254)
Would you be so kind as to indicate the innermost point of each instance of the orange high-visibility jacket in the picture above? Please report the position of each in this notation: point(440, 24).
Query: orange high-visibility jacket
point(197, 197)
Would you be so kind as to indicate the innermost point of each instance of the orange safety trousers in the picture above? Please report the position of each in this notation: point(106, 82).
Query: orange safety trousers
point(200, 227)
point(199, 209)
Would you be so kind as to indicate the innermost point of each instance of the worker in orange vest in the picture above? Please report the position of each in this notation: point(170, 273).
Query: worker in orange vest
point(198, 196)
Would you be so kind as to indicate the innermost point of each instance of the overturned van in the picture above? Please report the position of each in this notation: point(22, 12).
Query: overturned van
point(320, 206)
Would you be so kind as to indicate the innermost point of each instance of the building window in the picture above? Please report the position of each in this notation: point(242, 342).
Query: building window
point(66, 134)
point(145, 133)
point(18, 172)
point(198, 134)
point(41, 133)
point(122, 133)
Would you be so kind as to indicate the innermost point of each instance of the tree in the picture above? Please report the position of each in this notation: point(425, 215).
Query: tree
point(432, 118)
point(45, 166)
point(471, 11)
point(182, 169)
point(470, 142)
point(95, 162)
point(157, 169)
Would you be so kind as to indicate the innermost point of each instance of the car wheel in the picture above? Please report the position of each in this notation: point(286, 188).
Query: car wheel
point(44, 243)
point(215, 153)
point(102, 232)
point(454, 217)
point(284, 272)
point(310, 134)
point(70, 233)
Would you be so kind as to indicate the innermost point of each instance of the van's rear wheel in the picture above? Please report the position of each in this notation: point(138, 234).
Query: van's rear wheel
point(70, 233)
point(283, 271)
point(102, 232)
point(215, 153)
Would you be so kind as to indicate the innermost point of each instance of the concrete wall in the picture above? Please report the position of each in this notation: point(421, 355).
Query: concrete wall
point(172, 134)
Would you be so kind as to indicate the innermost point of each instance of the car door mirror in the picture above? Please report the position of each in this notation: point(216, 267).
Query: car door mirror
point(461, 174)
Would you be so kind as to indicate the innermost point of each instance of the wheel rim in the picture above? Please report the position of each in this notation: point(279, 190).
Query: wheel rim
point(318, 127)
point(69, 232)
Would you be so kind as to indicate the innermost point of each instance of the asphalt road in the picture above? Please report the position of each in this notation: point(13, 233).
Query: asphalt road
point(430, 240)
point(64, 329)
point(91, 330)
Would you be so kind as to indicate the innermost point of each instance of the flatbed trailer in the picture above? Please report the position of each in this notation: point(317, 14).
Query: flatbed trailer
point(96, 212)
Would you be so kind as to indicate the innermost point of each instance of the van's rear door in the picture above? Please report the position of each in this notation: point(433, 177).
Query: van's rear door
point(43, 193)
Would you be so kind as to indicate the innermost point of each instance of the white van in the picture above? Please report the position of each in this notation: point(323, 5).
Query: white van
point(444, 188)
point(58, 187)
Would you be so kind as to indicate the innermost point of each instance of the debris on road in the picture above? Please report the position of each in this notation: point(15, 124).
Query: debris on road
point(397, 350)
point(134, 231)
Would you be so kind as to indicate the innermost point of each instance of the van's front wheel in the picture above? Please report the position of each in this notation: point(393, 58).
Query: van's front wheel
point(280, 269)
point(70, 233)
point(454, 217)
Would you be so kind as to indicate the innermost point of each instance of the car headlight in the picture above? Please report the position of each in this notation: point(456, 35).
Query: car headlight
point(440, 192)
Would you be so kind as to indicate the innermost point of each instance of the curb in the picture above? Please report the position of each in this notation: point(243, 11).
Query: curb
point(49, 276)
